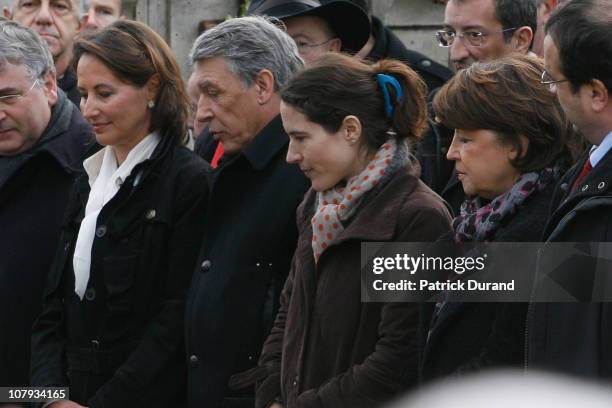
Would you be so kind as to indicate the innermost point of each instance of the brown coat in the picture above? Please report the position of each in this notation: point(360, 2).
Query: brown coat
point(337, 351)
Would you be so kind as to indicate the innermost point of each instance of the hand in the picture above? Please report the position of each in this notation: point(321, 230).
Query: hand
point(65, 404)
point(276, 405)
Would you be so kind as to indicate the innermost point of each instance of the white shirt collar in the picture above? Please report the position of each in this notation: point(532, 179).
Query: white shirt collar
point(598, 152)
point(139, 153)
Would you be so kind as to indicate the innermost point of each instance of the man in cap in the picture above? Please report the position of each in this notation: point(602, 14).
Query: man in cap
point(42, 139)
point(318, 27)
point(383, 43)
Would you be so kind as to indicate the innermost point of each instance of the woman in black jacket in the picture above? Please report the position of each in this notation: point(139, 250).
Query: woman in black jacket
point(112, 323)
point(512, 142)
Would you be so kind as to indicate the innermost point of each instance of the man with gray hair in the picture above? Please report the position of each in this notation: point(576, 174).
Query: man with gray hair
point(42, 137)
point(239, 68)
point(57, 22)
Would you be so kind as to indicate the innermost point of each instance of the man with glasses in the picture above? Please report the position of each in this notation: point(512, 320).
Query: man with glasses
point(318, 27)
point(57, 22)
point(576, 338)
point(474, 31)
point(42, 137)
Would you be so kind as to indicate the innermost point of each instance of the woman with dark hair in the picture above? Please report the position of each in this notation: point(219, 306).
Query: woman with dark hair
point(510, 147)
point(112, 322)
point(352, 128)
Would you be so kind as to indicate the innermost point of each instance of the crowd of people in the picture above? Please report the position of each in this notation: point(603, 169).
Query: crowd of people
point(141, 269)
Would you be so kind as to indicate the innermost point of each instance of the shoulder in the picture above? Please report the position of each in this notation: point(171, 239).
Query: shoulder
point(185, 164)
point(423, 214)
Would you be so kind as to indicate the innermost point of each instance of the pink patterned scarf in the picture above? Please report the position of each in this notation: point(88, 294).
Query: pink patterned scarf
point(339, 203)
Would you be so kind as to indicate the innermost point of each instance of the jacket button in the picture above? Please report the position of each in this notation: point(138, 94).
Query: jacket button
point(150, 214)
point(101, 231)
point(193, 361)
point(90, 294)
point(564, 186)
point(206, 266)
point(295, 381)
point(426, 63)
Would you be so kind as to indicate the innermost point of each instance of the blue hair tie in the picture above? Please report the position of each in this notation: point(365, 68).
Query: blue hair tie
point(383, 81)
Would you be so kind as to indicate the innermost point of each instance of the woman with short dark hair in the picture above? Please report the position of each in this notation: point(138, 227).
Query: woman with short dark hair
point(511, 145)
point(112, 323)
point(352, 128)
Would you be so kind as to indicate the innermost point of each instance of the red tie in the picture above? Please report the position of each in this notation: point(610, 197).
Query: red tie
point(218, 153)
point(586, 169)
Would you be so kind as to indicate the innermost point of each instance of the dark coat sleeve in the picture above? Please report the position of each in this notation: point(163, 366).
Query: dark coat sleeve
point(163, 342)
point(393, 365)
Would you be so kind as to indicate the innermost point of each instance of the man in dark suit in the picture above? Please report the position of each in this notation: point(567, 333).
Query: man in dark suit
point(42, 139)
point(576, 338)
point(250, 233)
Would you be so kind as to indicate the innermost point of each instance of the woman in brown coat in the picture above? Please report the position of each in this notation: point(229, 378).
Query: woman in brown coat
point(351, 129)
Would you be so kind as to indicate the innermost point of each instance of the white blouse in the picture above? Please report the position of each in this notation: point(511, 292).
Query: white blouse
point(105, 179)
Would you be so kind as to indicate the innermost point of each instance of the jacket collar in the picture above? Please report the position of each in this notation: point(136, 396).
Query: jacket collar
point(266, 144)
point(68, 153)
point(381, 45)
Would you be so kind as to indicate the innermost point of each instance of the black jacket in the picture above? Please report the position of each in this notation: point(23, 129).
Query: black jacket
point(474, 336)
point(576, 338)
point(33, 197)
point(68, 84)
point(123, 344)
point(250, 237)
point(389, 46)
point(437, 171)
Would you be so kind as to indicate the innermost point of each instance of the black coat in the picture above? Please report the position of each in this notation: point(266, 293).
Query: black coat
point(389, 46)
point(123, 344)
point(437, 171)
point(68, 84)
point(473, 336)
point(250, 238)
point(576, 338)
point(33, 197)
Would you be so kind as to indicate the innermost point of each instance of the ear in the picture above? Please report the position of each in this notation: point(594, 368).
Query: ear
point(264, 86)
point(153, 87)
point(599, 96)
point(549, 6)
point(351, 129)
point(513, 151)
point(49, 84)
point(6, 13)
point(335, 45)
point(521, 39)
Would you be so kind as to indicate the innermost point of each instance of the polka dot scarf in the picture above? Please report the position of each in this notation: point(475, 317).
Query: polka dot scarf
point(339, 203)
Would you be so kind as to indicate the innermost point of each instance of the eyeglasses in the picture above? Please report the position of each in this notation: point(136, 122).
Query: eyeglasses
point(13, 98)
point(446, 38)
point(305, 48)
point(548, 80)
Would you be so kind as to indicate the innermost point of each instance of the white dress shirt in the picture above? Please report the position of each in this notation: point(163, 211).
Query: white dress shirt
point(105, 179)
point(598, 152)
